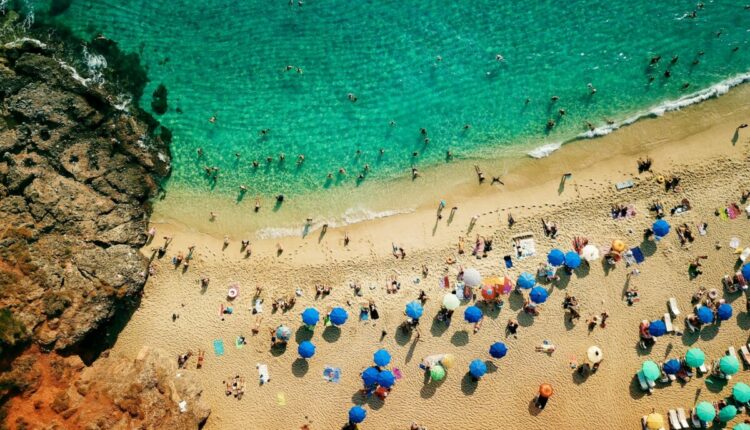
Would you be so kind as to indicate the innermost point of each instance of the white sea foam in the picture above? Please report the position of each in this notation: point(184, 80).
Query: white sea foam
point(95, 65)
point(713, 91)
point(3, 6)
point(350, 216)
point(17, 43)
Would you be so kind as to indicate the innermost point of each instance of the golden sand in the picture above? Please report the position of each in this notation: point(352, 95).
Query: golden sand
point(698, 144)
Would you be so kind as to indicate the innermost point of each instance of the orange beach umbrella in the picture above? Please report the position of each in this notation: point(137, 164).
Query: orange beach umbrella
point(545, 390)
point(618, 245)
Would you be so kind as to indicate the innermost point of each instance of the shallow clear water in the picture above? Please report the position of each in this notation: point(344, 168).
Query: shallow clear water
point(228, 58)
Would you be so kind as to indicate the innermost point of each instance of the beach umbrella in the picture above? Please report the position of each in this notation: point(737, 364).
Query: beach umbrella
point(283, 333)
point(545, 390)
point(746, 271)
point(657, 328)
point(727, 413)
point(488, 292)
point(705, 315)
point(448, 361)
point(498, 350)
point(526, 281)
point(650, 370)
point(729, 365)
point(672, 366)
point(618, 245)
point(660, 228)
point(472, 278)
point(338, 316)
point(724, 311)
point(556, 257)
point(386, 378)
point(451, 302)
point(594, 354)
point(414, 310)
point(590, 253)
point(477, 368)
point(741, 392)
point(370, 376)
point(306, 349)
point(310, 316)
point(493, 281)
point(538, 295)
point(572, 260)
point(705, 411)
point(695, 357)
point(437, 373)
point(381, 357)
point(473, 314)
point(654, 421)
point(741, 426)
point(745, 254)
point(357, 414)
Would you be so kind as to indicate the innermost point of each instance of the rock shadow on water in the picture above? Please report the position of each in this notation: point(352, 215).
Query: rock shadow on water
point(300, 367)
point(460, 338)
point(302, 334)
point(469, 384)
point(331, 334)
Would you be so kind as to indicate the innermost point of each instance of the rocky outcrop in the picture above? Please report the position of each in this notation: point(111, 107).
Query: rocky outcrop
point(76, 175)
point(114, 393)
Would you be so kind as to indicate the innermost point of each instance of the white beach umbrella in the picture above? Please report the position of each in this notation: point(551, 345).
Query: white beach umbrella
point(472, 278)
point(594, 354)
point(590, 253)
point(451, 302)
point(745, 253)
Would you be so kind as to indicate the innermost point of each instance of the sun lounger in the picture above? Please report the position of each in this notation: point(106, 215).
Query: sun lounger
point(624, 184)
point(696, 422)
point(673, 306)
point(673, 421)
point(642, 381)
point(263, 374)
point(683, 418)
point(732, 352)
point(668, 323)
point(745, 355)
point(703, 369)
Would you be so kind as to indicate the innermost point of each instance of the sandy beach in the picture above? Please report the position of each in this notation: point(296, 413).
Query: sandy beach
point(700, 144)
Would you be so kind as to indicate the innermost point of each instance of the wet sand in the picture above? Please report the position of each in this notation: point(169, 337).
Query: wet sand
point(698, 144)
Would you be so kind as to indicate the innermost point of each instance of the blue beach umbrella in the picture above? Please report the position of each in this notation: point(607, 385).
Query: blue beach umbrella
point(660, 228)
point(386, 379)
point(724, 311)
point(705, 315)
point(306, 349)
point(672, 366)
point(414, 310)
point(746, 271)
point(381, 357)
point(310, 316)
point(498, 350)
point(538, 295)
point(657, 328)
point(357, 414)
point(338, 316)
point(473, 314)
point(477, 368)
point(556, 257)
point(283, 333)
point(370, 376)
point(526, 281)
point(572, 260)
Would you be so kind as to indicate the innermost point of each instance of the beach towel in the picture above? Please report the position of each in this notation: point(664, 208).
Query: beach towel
point(508, 262)
point(445, 282)
point(332, 374)
point(218, 347)
point(731, 212)
point(258, 308)
point(374, 313)
point(263, 374)
point(238, 342)
point(629, 213)
point(364, 314)
point(723, 213)
point(637, 254)
point(397, 373)
point(507, 285)
point(460, 291)
point(281, 399)
point(624, 184)
point(525, 246)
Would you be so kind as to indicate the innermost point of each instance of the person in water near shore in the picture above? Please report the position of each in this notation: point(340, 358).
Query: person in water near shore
point(257, 204)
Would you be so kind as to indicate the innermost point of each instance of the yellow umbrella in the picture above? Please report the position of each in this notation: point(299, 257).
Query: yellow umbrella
point(618, 245)
point(492, 281)
point(448, 361)
point(654, 421)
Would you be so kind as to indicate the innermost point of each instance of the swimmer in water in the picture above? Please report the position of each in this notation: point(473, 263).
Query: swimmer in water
point(269, 159)
point(352, 97)
point(288, 68)
point(212, 119)
point(300, 159)
point(499, 57)
point(342, 171)
point(674, 59)
point(467, 126)
point(426, 140)
point(243, 189)
point(655, 59)
point(392, 123)
point(423, 131)
point(382, 151)
point(329, 175)
point(282, 157)
point(561, 112)
point(591, 88)
point(448, 154)
point(256, 164)
point(555, 98)
point(200, 152)
point(414, 173)
point(667, 73)
point(237, 155)
point(367, 168)
point(415, 154)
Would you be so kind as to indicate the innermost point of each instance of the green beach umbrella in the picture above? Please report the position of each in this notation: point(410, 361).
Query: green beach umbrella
point(727, 413)
point(741, 426)
point(695, 357)
point(741, 392)
point(437, 373)
point(651, 370)
point(705, 411)
point(729, 364)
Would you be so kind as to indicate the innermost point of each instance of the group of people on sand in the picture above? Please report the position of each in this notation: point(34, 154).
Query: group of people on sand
point(235, 387)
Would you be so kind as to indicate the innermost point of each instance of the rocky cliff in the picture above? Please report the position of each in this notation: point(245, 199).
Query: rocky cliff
point(78, 167)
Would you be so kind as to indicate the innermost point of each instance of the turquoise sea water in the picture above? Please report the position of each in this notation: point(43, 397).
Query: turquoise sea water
point(229, 58)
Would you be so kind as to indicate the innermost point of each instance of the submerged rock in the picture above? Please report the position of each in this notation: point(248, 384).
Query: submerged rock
point(159, 101)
